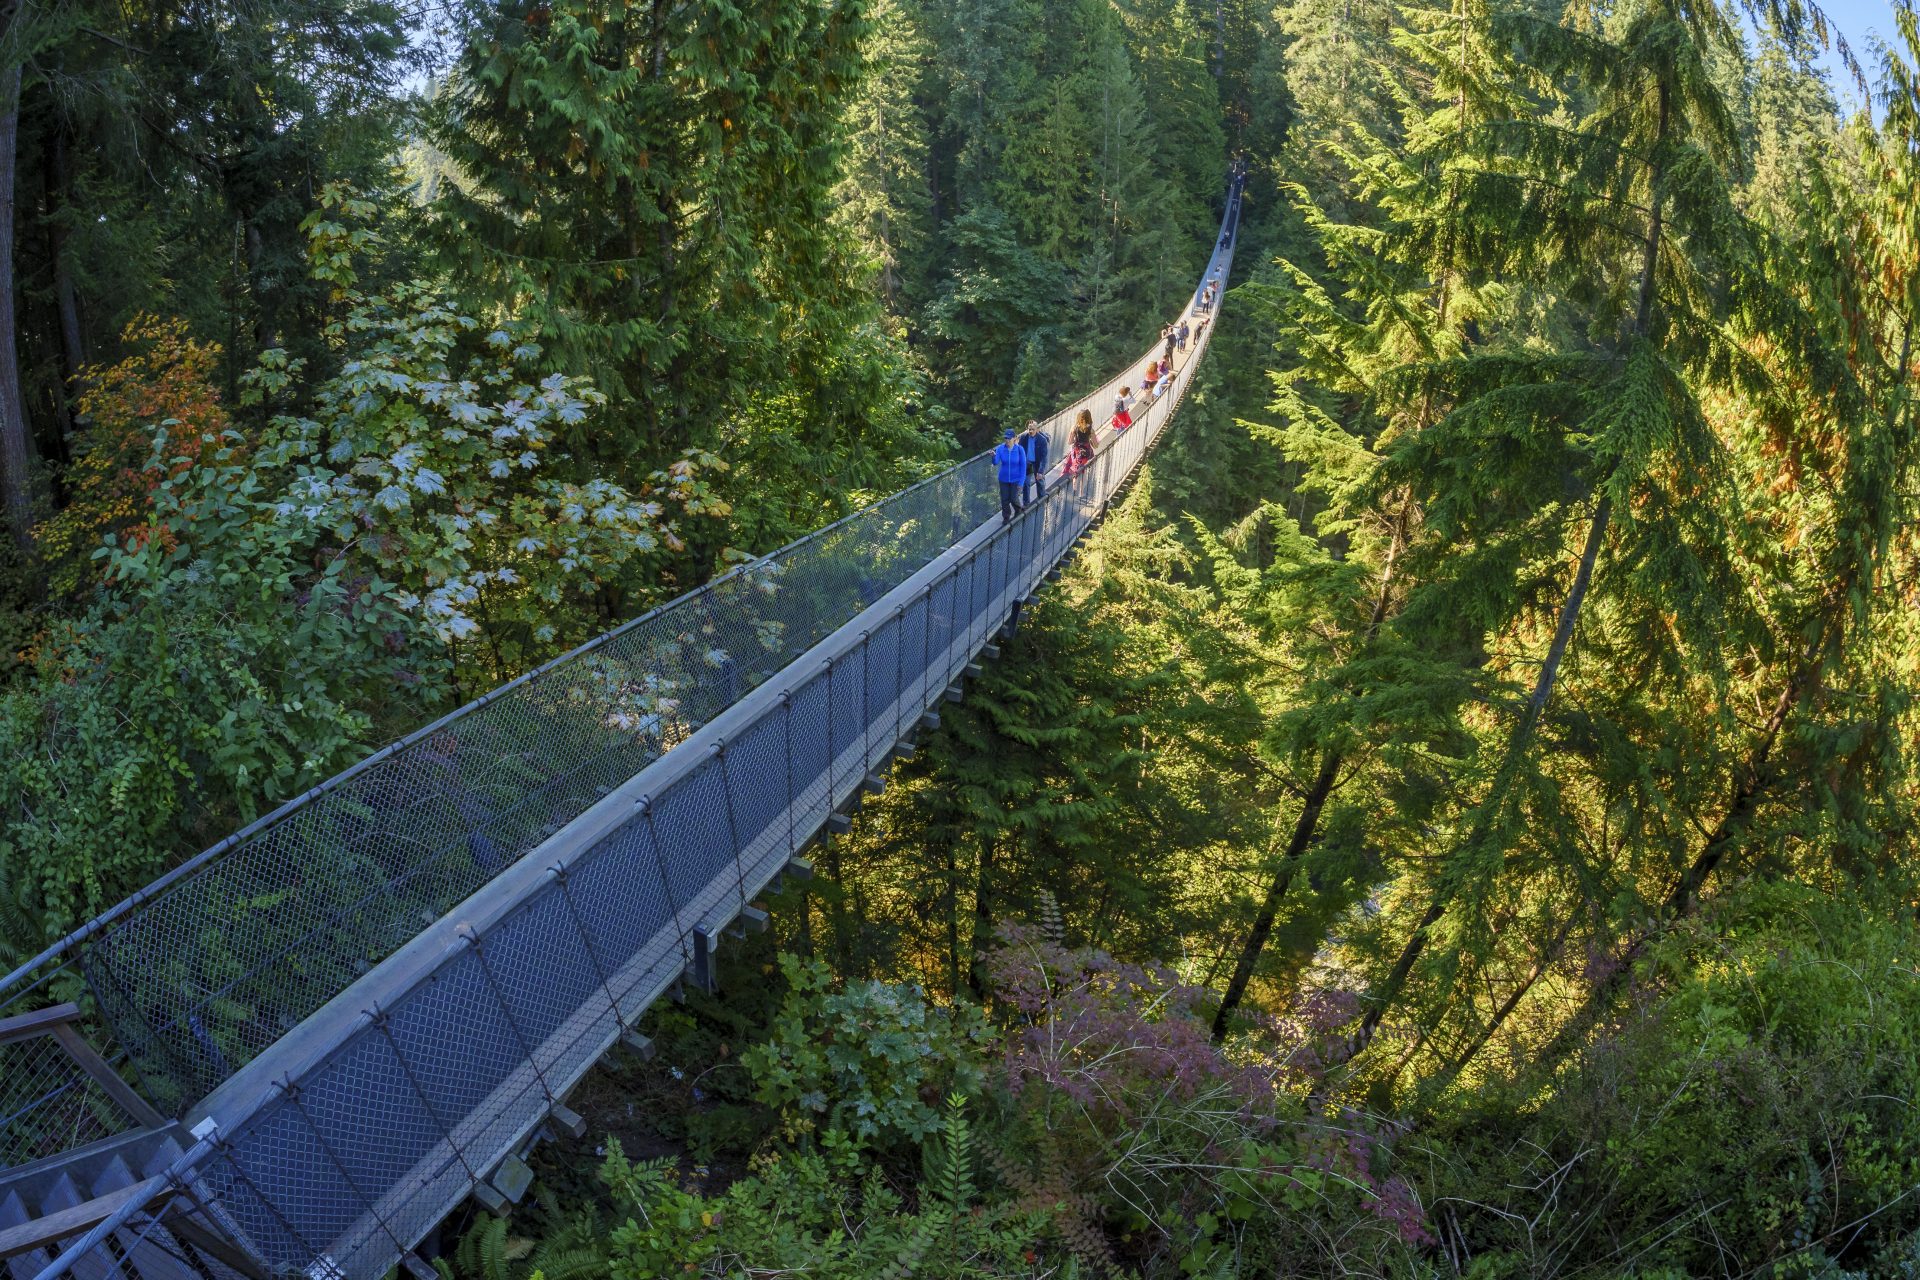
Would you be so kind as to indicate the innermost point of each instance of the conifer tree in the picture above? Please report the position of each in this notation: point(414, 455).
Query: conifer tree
point(652, 185)
point(1410, 298)
point(1626, 215)
point(1851, 437)
point(884, 194)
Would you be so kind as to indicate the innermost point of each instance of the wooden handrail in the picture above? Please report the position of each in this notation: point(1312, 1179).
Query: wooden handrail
point(39, 1022)
point(57, 1021)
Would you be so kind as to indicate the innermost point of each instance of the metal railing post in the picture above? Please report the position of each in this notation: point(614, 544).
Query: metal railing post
point(733, 826)
point(559, 872)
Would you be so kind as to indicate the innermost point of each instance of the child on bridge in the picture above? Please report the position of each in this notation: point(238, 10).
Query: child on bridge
point(1080, 444)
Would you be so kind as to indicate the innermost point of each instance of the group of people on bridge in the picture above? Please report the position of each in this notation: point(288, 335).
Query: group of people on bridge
point(1021, 458)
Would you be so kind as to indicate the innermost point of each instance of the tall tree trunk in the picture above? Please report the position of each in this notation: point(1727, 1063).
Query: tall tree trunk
point(1306, 827)
point(953, 920)
point(16, 447)
point(1548, 957)
point(1751, 783)
point(1383, 997)
point(982, 921)
point(836, 902)
point(73, 346)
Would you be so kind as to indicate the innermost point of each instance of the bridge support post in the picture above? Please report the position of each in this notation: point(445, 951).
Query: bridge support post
point(706, 940)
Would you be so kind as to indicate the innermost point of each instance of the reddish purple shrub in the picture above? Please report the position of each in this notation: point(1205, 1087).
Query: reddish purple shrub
point(1134, 1116)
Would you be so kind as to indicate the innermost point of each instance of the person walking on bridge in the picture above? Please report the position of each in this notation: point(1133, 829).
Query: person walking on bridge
point(1036, 444)
point(1010, 464)
point(1123, 409)
point(1080, 444)
point(1180, 335)
point(1169, 334)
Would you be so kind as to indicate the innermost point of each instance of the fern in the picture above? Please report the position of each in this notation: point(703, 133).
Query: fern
point(576, 1263)
point(1052, 924)
point(482, 1254)
point(952, 1173)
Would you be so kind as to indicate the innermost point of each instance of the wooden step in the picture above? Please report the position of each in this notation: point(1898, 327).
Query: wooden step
point(27, 1264)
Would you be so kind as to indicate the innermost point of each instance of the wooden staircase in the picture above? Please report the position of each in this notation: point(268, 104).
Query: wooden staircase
point(47, 1204)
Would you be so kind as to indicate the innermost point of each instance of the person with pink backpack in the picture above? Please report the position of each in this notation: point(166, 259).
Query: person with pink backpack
point(1080, 445)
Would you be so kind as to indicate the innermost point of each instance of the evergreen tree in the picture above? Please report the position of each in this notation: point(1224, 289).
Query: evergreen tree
point(1410, 298)
point(884, 194)
point(1627, 215)
point(1850, 439)
point(652, 184)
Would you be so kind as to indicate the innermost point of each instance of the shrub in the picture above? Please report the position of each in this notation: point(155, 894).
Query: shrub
point(147, 418)
point(820, 1214)
point(1162, 1151)
point(1757, 1117)
point(218, 675)
point(869, 1061)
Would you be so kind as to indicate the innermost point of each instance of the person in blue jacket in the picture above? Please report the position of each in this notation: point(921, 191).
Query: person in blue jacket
point(1036, 444)
point(1010, 462)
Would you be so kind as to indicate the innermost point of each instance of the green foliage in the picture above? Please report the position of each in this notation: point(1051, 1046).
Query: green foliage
point(651, 191)
point(858, 1065)
point(818, 1213)
point(219, 674)
point(884, 193)
point(1753, 1119)
point(430, 459)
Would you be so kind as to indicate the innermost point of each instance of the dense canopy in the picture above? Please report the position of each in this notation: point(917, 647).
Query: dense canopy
point(1451, 820)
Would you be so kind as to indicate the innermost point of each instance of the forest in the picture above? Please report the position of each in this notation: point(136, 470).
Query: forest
point(1451, 820)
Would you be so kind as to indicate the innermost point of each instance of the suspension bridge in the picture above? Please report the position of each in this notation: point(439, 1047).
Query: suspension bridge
point(298, 1052)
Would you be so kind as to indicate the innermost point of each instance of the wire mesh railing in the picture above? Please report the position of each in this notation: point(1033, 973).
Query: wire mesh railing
point(48, 1104)
point(201, 972)
point(393, 1104)
point(356, 1154)
point(56, 1092)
